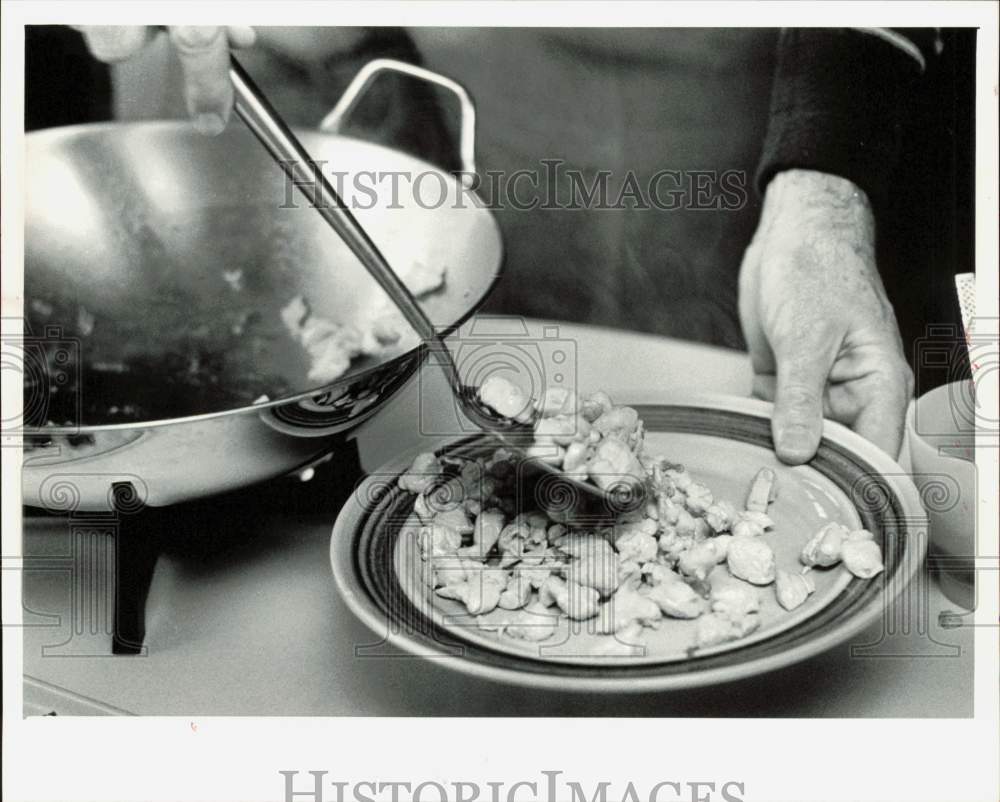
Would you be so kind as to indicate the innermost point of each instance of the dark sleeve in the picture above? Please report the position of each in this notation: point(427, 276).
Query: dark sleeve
point(840, 98)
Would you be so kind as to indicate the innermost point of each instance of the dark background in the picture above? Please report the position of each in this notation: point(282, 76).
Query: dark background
point(925, 229)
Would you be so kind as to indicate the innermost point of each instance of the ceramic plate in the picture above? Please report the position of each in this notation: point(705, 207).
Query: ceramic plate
point(723, 443)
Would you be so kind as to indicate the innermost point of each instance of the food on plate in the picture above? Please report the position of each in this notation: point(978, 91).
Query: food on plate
point(718, 628)
point(750, 558)
point(733, 598)
point(422, 474)
point(823, 548)
point(735, 608)
point(750, 524)
point(506, 398)
point(835, 543)
point(675, 597)
point(587, 437)
point(792, 589)
point(763, 490)
point(535, 622)
point(863, 558)
point(331, 346)
point(685, 555)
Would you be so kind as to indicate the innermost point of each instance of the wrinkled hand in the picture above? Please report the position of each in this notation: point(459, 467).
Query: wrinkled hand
point(822, 335)
point(204, 57)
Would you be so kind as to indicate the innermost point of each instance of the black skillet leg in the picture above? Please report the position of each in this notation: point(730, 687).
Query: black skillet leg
point(136, 550)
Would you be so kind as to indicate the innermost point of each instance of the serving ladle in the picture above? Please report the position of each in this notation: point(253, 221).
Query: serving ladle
point(284, 147)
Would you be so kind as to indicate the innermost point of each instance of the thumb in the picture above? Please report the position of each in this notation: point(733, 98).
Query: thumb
point(797, 423)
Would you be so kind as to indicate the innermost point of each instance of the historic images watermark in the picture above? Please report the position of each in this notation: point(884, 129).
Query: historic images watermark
point(46, 363)
point(548, 186)
point(551, 786)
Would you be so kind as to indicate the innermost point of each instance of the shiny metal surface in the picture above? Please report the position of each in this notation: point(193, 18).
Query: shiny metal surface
point(303, 171)
point(289, 155)
point(157, 262)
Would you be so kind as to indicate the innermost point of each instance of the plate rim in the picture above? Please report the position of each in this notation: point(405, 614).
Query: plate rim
point(353, 514)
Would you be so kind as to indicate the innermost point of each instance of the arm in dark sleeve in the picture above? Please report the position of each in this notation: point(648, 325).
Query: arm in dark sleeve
point(839, 102)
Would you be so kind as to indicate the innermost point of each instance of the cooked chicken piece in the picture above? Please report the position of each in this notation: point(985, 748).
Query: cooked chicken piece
point(698, 498)
point(438, 539)
point(862, 557)
point(624, 608)
point(763, 490)
point(715, 629)
point(675, 598)
point(614, 464)
point(506, 398)
point(823, 549)
point(532, 623)
point(594, 564)
point(699, 560)
point(792, 589)
point(576, 601)
point(720, 516)
point(635, 541)
point(750, 558)
point(595, 405)
point(485, 533)
point(422, 474)
point(481, 590)
point(517, 593)
point(721, 543)
point(558, 401)
point(421, 279)
point(562, 429)
point(750, 524)
point(733, 597)
point(455, 517)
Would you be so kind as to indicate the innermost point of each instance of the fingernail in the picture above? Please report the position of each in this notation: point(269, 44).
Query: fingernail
point(209, 123)
point(796, 442)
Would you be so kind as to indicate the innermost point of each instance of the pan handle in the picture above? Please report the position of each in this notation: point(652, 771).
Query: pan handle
point(467, 136)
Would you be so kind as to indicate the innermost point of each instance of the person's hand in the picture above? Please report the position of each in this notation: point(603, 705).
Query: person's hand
point(204, 58)
point(822, 334)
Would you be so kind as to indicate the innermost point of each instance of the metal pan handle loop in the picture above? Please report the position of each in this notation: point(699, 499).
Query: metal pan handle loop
point(333, 121)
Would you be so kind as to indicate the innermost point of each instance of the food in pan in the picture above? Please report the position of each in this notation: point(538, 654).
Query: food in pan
point(332, 346)
point(684, 555)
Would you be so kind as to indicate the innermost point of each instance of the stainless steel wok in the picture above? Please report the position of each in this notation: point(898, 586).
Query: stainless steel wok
point(157, 263)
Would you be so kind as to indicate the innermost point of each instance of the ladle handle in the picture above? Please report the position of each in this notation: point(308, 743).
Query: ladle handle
point(267, 125)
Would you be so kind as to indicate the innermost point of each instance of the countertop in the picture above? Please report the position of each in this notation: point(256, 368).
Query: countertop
point(244, 619)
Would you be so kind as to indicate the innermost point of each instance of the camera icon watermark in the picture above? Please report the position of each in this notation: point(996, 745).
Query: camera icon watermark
point(532, 356)
point(965, 360)
point(46, 362)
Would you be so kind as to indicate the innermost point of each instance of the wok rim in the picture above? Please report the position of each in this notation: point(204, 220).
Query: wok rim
point(67, 131)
